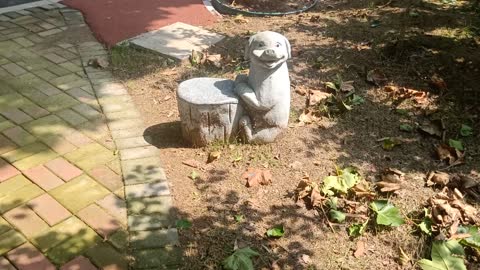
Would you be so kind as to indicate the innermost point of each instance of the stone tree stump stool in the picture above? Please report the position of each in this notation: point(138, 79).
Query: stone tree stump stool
point(209, 110)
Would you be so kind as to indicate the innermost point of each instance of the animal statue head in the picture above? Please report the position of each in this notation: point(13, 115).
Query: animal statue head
point(268, 49)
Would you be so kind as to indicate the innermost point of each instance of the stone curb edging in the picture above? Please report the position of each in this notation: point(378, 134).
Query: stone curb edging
point(42, 3)
point(152, 236)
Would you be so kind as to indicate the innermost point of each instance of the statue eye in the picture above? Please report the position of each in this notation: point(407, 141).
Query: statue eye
point(278, 44)
point(261, 44)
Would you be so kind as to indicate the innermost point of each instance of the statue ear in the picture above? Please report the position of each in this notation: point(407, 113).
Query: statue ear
point(289, 48)
point(247, 48)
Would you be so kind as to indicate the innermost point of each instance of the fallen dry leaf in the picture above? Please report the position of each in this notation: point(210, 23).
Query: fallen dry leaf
point(240, 19)
point(450, 154)
point(392, 180)
point(316, 97)
point(439, 178)
point(214, 59)
point(401, 93)
point(377, 77)
point(431, 128)
point(256, 177)
point(308, 117)
point(360, 250)
point(309, 192)
point(305, 259)
point(212, 156)
point(438, 82)
point(347, 86)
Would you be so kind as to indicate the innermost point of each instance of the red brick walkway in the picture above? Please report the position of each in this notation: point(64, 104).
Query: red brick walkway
point(115, 21)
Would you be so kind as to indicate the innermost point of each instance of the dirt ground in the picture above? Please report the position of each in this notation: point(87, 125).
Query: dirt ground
point(409, 41)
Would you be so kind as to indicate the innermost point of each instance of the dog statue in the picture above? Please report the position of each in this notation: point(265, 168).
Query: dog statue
point(265, 92)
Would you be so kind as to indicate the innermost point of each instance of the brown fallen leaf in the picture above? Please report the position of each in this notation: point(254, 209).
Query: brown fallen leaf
point(392, 180)
point(214, 60)
point(377, 77)
point(431, 128)
point(240, 19)
point(402, 93)
point(256, 177)
point(301, 90)
point(363, 190)
point(439, 178)
point(309, 192)
point(305, 259)
point(308, 117)
point(360, 250)
point(438, 82)
point(347, 86)
point(212, 156)
point(316, 97)
point(450, 154)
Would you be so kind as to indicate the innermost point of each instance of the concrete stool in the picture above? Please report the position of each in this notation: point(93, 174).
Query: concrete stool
point(209, 110)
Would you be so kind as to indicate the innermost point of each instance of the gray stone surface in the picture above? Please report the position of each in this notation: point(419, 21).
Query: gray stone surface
point(177, 40)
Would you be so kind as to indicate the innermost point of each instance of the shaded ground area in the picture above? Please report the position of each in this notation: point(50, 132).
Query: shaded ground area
point(9, 3)
point(115, 21)
point(410, 42)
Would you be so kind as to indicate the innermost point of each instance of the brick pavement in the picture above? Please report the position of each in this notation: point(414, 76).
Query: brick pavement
point(80, 187)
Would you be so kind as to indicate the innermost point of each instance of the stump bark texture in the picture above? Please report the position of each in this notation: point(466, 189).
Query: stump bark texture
point(209, 110)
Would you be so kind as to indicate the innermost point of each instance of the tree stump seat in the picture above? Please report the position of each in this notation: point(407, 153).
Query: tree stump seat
point(209, 110)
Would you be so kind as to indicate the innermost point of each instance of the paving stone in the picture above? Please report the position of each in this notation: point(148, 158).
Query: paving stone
point(73, 247)
point(117, 107)
point(153, 239)
point(82, 96)
point(63, 169)
point(5, 264)
point(138, 152)
point(115, 207)
point(107, 89)
point(58, 70)
point(120, 193)
point(4, 226)
point(87, 111)
point(147, 190)
point(6, 124)
point(47, 126)
point(148, 222)
point(45, 74)
point(11, 185)
point(58, 144)
point(119, 240)
point(49, 209)
point(50, 32)
point(82, 157)
point(14, 69)
point(78, 139)
point(58, 102)
point(142, 170)
point(26, 221)
point(154, 205)
point(10, 240)
point(19, 196)
point(34, 111)
point(125, 114)
point(59, 233)
point(16, 116)
point(86, 191)
point(79, 263)
point(107, 177)
point(43, 177)
point(125, 124)
point(72, 117)
point(19, 136)
point(107, 257)
point(23, 152)
point(103, 223)
point(71, 66)
point(23, 42)
point(35, 160)
point(54, 58)
point(162, 258)
point(7, 171)
point(133, 142)
point(27, 257)
point(115, 166)
point(6, 145)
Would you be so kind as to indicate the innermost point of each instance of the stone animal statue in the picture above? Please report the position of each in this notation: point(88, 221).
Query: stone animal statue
point(256, 106)
point(265, 92)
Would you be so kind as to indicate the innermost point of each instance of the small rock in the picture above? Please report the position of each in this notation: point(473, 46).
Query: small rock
point(98, 63)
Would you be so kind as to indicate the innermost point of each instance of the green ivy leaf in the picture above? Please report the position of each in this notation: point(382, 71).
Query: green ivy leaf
point(387, 214)
point(401, 111)
point(331, 85)
point(466, 131)
point(337, 216)
point(183, 224)
point(332, 203)
point(357, 100)
point(446, 255)
point(240, 259)
point(406, 127)
point(276, 231)
point(238, 218)
point(355, 230)
point(426, 225)
point(473, 240)
point(388, 143)
point(456, 144)
point(346, 179)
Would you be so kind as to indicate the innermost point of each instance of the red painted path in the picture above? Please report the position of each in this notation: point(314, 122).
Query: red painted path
point(116, 20)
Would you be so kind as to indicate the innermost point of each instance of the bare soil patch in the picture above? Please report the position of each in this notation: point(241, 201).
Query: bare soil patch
point(268, 5)
point(410, 42)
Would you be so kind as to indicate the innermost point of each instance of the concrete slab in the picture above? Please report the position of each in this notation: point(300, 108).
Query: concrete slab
point(177, 40)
